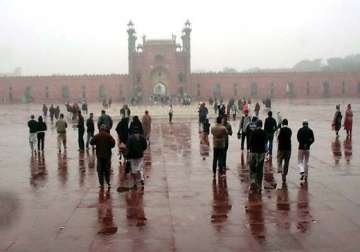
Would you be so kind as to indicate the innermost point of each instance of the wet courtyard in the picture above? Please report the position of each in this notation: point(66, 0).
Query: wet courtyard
point(51, 202)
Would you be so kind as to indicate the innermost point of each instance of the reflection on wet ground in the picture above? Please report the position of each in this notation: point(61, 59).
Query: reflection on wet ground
point(51, 201)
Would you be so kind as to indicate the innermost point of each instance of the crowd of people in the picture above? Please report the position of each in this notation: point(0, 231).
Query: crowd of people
point(133, 138)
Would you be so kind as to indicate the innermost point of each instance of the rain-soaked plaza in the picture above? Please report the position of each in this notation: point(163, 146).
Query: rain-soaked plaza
point(52, 202)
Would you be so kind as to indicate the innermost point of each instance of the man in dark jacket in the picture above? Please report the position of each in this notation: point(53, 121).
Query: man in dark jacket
point(305, 137)
point(104, 142)
point(270, 128)
point(136, 146)
point(33, 128)
point(90, 129)
point(257, 156)
point(284, 149)
point(81, 131)
point(227, 125)
point(106, 120)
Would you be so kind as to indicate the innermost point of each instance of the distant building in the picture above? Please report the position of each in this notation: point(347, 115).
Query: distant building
point(162, 67)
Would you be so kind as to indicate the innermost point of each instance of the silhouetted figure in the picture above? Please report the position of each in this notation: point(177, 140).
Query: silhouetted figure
point(257, 149)
point(171, 111)
point(136, 146)
point(81, 131)
point(242, 132)
point(227, 125)
point(284, 149)
point(136, 126)
point(106, 120)
point(305, 137)
point(41, 134)
point(219, 133)
point(336, 124)
point(90, 129)
point(270, 128)
point(52, 113)
point(348, 121)
point(104, 142)
point(146, 124)
point(57, 112)
point(61, 126)
point(33, 128)
point(45, 111)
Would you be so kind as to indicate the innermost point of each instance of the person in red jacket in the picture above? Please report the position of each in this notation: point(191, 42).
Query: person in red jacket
point(104, 142)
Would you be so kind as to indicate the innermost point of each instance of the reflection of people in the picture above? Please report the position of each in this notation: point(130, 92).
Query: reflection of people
point(135, 208)
point(38, 169)
point(283, 205)
point(221, 203)
point(348, 120)
point(348, 149)
point(105, 215)
point(104, 142)
point(254, 212)
point(303, 202)
point(336, 150)
point(62, 168)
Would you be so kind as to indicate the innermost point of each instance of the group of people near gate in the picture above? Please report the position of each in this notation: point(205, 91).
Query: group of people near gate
point(133, 138)
point(259, 137)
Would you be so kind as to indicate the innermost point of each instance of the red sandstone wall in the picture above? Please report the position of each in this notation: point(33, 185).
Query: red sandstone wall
point(115, 85)
point(118, 85)
point(206, 81)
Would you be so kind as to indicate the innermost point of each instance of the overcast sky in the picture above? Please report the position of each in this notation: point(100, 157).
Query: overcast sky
point(84, 36)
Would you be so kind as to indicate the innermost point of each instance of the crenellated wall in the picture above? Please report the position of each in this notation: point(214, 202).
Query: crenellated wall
point(278, 85)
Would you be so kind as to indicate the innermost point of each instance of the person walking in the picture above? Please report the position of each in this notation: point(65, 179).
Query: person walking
point(257, 109)
point(45, 111)
point(33, 128)
point(284, 149)
point(90, 129)
point(348, 121)
point(136, 125)
point(52, 112)
point(104, 142)
point(136, 146)
point(257, 156)
point(41, 134)
point(219, 133)
point(305, 137)
point(206, 131)
point(61, 126)
point(336, 124)
point(227, 125)
point(106, 120)
point(146, 124)
point(242, 132)
point(125, 111)
point(81, 131)
point(270, 128)
point(171, 111)
point(57, 112)
point(122, 130)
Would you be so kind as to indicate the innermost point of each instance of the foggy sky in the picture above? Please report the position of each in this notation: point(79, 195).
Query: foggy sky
point(84, 36)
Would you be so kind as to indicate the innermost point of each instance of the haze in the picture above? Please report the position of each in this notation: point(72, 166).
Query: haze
point(78, 37)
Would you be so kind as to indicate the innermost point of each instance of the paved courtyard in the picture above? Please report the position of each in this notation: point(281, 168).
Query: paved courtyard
point(52, 202)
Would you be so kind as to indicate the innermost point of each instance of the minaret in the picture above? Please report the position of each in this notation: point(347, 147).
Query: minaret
point(186, 49)
point(131, 51)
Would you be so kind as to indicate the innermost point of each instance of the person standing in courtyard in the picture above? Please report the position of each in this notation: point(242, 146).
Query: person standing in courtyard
point(284, 149)
point(146, 124)
point(257, 156)
point(219, 133)
point(136, 146)
point(45, 111)
point(81, 131)
point(348, 121)
point(270, 128)
point(57, 112)
point(305, 137)
point(227, 125)
point(125, 111)
point(136, 125)
point(61, 126)
point(257, 109)
point(104, 142)
point(171, 111)
point(242, 132)
point(33, 128)
point(52, 112)
point(106, 120)
point(336, 124)
point(90, 129)
point(41, 134)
